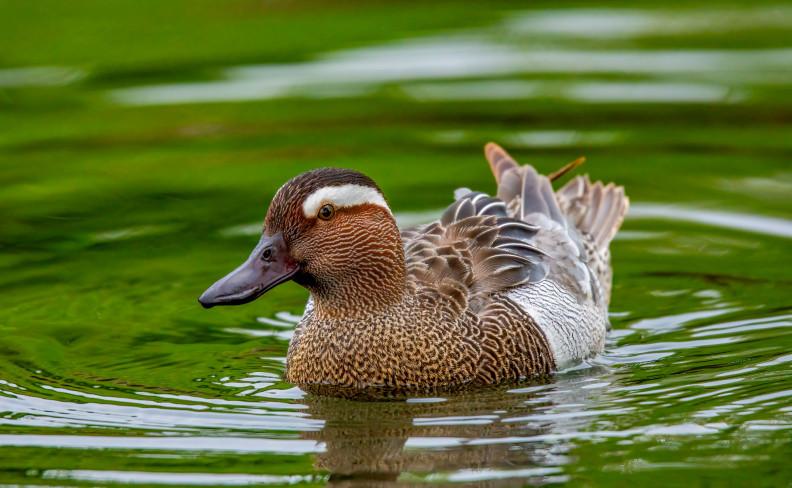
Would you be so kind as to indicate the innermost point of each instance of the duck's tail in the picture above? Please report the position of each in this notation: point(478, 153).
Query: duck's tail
point(595, 209)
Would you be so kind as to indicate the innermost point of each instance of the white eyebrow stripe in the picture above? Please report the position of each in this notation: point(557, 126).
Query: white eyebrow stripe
point(342, 196)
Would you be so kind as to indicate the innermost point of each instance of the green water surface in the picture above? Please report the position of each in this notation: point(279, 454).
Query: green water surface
point(141, 143)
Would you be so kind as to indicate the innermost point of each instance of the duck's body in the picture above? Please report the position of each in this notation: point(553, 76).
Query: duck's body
point(422, 343)
point(498, 288)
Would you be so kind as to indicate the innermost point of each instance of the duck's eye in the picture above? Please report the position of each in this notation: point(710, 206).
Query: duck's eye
point(326, 212)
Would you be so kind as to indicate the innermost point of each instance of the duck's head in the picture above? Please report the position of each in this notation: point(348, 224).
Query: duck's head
point(331, 231)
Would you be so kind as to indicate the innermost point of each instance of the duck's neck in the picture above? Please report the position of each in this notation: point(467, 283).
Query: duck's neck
point(371, 278)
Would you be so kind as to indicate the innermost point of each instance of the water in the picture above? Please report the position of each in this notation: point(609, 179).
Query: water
point(137, 164)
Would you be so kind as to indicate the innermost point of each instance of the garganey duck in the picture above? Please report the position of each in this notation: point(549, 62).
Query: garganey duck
point(498, 288)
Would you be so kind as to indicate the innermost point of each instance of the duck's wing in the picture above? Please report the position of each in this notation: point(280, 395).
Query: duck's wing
point(575, 225)
point(524, 190)
point(473, 251)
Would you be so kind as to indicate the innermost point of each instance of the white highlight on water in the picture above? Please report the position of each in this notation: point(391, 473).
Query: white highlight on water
point(678, 76)
point(758, 224)
point(40, 76)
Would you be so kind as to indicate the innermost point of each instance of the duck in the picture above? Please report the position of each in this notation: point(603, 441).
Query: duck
point(499, 288)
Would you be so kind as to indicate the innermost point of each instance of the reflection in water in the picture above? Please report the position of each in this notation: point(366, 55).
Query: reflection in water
point(40, 76)
point(357, 73)
point(615, 23)
point(577, 91)
point(373, 443)
point(179, 479)
point(495, 437)
point(535, 139)
point(729, 220)
point(483, 54)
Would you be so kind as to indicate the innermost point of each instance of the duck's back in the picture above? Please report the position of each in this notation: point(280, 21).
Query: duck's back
point(545, 253)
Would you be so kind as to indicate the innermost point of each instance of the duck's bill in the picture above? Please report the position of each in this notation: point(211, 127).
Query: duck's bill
point(269, 265)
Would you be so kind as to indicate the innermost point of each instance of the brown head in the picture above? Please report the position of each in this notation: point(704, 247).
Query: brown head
point(331, 231)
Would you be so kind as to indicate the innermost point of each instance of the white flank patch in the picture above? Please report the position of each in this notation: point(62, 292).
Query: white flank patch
point(342, 196)
point(574, 331)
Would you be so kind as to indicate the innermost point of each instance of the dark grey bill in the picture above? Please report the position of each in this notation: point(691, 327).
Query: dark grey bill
point(269, 265)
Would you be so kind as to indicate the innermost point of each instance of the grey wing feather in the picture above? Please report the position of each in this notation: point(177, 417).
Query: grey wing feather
point(474, 250)
point(575, 225)
point(483, 245)
point(500, 161)
point(596, 211)
point(530, 192)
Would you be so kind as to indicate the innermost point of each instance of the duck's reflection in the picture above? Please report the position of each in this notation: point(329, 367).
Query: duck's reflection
point(481, 436)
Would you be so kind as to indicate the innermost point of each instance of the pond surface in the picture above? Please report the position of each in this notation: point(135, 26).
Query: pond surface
point(140, 147)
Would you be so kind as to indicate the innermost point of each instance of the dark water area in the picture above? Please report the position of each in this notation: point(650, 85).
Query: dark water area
point(140, 145)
